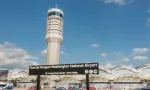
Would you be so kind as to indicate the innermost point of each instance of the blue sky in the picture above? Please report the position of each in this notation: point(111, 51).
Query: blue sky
point(111, 32)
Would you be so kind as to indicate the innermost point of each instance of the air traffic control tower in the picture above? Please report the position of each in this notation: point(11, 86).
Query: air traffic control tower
point(54, 35)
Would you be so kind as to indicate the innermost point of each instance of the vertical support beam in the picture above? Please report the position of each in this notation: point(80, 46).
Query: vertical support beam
point(111, 84)
point(87, 81)
point(38, 82)
point(144, 84)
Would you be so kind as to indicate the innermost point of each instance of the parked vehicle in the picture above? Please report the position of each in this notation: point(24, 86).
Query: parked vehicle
point(6, 86)
point(3, 86)
point(90, 88)
point(61, 88)
point(9, 85)
point(82, 88)
point(31, 88)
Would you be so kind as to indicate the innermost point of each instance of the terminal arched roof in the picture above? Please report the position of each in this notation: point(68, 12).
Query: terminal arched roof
point(110, 73)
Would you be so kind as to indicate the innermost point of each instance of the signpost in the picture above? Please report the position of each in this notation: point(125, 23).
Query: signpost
point(64, 69)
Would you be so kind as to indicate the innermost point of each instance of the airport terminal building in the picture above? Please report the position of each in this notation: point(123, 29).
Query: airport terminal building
point(117, 77)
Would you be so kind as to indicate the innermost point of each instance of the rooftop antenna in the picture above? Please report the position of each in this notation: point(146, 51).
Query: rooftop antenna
point(49, 7)
point(56, 6)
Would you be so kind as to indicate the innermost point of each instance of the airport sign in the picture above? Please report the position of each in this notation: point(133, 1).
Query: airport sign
point(64, 69)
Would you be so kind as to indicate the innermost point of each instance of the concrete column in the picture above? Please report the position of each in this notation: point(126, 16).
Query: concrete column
point(144, 83)
point(111, 84)
point(53, 53)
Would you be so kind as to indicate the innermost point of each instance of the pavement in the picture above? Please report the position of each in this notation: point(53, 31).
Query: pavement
point(27, 88)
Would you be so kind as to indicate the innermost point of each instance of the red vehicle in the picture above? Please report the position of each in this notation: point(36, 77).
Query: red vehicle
point(82, 88)
point(90, 88)
point(31, 88)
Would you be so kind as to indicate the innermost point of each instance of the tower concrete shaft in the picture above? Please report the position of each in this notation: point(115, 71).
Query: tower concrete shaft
point(54, 35)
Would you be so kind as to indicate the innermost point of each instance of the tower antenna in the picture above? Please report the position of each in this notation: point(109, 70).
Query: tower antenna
point(56, 6)
point(49, 7)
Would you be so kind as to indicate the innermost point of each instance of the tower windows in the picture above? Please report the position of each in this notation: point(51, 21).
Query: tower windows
point(55, 13)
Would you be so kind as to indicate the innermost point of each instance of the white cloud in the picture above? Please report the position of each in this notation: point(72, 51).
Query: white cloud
point(45, 51)
point(148, 11)
point(94, 45)
point(126, 59)
point(140, 50)
point(13, 57)
point(108, 65)
point(118, 2)
point(62, 52)
point(131, 1)
point(118, 54)
point(148, 22)
point(131, 66)
point(140, 58)
point(104, 54)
